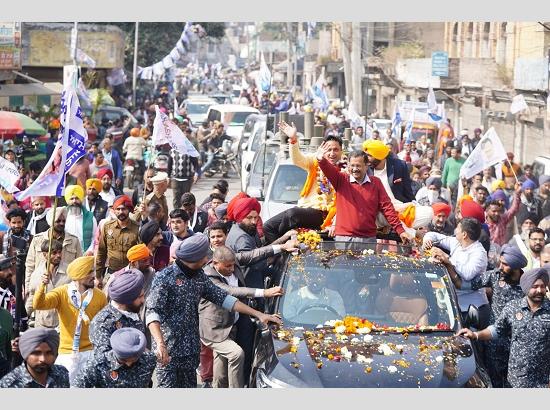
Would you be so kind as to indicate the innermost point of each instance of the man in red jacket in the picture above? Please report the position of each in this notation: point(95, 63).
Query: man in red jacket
point(359, 198)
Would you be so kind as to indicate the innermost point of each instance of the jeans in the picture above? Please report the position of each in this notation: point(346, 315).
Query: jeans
point(209, 161)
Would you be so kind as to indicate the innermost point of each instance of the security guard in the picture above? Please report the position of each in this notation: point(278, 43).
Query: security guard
point(127, 365)
point(127, 298)
point(504, 283)
point(527, 320)
point(116, 238)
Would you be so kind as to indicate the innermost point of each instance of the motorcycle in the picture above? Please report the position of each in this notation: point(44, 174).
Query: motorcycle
point(224, 158)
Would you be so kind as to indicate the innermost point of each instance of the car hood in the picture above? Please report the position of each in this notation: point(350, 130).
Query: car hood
point(234, 131)
point(377, 360)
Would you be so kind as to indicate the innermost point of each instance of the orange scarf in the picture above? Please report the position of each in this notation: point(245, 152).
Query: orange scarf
point(312, 174)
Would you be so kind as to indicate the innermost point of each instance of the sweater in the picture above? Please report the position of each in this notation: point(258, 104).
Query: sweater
point(359, 204)
point(451, 171)
point(59, 299)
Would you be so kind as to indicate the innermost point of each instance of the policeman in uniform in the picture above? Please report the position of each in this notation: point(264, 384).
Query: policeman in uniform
point(160, 185)
point(38, 347)
point(126, 365)
point(116, 238)
point(127, 298)
point(505, 286)
point(527, 321)
point(172, 312)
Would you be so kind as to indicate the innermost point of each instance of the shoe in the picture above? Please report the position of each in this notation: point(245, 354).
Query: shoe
point(207, 385)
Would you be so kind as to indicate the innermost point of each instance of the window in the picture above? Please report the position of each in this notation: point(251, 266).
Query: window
point(16, 101)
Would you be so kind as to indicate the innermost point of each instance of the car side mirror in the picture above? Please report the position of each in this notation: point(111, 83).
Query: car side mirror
point(472, 317)
point(248, 167)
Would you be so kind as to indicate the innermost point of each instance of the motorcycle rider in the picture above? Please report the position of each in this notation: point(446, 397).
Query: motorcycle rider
point(133, 149)
point(215, 141)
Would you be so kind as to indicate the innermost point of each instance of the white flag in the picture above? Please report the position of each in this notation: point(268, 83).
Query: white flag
point(8, 175)
point(244, 84)
point(264, 76)
point(82, 57)
point(68, 150)
point(432, 103)
point(353, 116)
point(518, 104)
point(166, 132)
point(488, 152)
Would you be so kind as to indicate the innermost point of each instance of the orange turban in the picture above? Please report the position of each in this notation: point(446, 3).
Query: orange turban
point(123, 200)
point(96, 183)
point(138, 252)
point(439, 207)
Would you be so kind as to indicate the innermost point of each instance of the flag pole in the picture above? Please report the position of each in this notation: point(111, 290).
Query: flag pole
point(512, 168)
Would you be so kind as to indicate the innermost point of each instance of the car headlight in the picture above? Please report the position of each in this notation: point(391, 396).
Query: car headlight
point(264, 381)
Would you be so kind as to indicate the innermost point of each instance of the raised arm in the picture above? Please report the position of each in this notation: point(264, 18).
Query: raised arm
point(296, 156)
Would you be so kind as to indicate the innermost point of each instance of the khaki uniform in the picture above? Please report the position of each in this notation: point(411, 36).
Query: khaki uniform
point(71, 250)
point(114, 242)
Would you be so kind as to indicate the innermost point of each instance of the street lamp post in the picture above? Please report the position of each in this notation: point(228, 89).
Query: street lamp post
point(134, 76)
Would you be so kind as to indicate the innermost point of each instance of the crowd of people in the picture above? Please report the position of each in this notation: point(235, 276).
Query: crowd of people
point(129, 290)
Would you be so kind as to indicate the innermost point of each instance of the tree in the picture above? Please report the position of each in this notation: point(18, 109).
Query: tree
point(156, 40)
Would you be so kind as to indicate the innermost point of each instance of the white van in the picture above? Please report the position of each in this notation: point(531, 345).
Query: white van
point(541, 166)
point(232, 116)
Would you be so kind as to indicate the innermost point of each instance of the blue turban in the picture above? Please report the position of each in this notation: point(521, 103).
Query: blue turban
point(528, 184)
point(434, 181)
point(513, 257)
point(126, 286)
point(32, 338)
point(531, 276)
point(128, 342)
point(543, 179)
point(193, 248)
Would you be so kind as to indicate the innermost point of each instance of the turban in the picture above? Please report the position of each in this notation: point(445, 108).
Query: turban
point(471, 209)
point(74, 190)
point(528, 184)
point(499, 195)
point(80, 267)
point(434, 181)
point(134, 132)
point(244, 206)
point(58, 212)
point(531, 276)
point(32, 338)
point(376, 148)
point(439, 207)
point(423, 216)
point(543, 179)
point(96, 183)
point(477, 130)
point(123, 200)
point(104, 171)
point(498, 184)
point(128, 342)
point(126, 286)
point(221, 210)
point(148, 231)
point(231, 205)
point(193, 248)
point(513, 257)
point(138, 252)
point(523, 216)
point(423, 169)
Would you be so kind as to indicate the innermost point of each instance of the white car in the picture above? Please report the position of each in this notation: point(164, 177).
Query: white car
point(197, 109)
point(232, 116)
point(248, 149)
point(283, 188)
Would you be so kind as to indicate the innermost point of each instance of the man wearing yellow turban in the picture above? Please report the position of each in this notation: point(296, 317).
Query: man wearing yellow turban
point(77, 303)
point(94, 203)
point(80, 221)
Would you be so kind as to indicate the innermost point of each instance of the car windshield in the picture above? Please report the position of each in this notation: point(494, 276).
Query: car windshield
point(197, 108)
point(387, 290)
point(287, 184)
point(257, 138)
point(237, 118)
point(260, 170)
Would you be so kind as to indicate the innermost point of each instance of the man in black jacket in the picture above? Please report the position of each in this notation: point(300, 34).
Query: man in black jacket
point(184, 171)
point(392, 171)
point(94, 203)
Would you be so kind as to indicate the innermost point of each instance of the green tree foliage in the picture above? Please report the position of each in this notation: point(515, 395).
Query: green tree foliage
point(156, 40)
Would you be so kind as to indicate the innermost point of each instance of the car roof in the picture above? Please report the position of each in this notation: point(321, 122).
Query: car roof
point(233, 108)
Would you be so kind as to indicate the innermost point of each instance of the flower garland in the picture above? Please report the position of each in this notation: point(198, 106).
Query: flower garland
point(309, 237)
